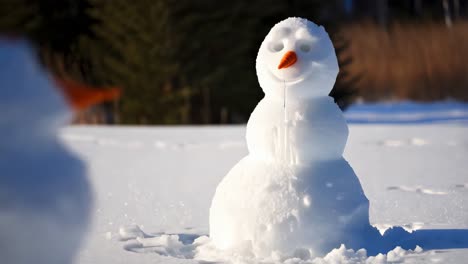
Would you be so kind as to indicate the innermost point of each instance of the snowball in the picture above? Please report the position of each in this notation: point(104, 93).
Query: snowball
point(320, 135)
point(316, 68)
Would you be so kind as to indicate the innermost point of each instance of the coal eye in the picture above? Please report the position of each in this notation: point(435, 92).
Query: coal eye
point(275, 47)
point(305, 47)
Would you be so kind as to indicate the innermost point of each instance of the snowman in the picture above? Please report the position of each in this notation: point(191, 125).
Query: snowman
point(45, 197)
point(294, 192)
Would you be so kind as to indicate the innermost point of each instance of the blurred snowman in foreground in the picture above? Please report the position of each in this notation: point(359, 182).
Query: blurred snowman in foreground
point(45, 197)
point(294, 193)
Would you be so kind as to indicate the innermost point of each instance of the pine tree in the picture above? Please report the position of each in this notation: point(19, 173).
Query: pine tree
point(178, 61)
point(219, 41)
point(18, 17)
point(132, 47)
point(53, 28)
point(222, 41)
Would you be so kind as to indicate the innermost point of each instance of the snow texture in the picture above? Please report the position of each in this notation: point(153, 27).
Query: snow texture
point(405, 112)
point(163, 179)
point(44, 193)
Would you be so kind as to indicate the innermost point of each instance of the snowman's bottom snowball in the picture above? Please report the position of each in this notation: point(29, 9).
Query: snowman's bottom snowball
point(275, 207)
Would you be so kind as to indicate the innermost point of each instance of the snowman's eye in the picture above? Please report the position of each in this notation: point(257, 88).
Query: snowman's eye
point(275, 47)
point(305, 47)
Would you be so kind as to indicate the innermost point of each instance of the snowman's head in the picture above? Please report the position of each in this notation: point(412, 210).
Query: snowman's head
point(299, 55)
point(32, 102)
point(29, 103)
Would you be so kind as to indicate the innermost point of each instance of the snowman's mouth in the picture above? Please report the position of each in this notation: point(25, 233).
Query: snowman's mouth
point(287, 81)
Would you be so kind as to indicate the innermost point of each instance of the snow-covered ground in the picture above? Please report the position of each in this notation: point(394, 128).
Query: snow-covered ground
point(407, 112)
point(163, 179)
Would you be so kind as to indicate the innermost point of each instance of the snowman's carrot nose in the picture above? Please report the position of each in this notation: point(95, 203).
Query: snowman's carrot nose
point(81, 96)
point(289, 58)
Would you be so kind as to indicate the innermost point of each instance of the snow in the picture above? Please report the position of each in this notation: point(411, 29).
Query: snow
point(316, 66)
point(406, 112)
point(315, 130)
point(168, 190)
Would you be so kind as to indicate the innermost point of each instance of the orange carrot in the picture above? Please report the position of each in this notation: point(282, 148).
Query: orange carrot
point(289, 58)
point(81, 96)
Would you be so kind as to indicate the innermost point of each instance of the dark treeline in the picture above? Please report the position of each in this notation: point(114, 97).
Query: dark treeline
point(185, 62)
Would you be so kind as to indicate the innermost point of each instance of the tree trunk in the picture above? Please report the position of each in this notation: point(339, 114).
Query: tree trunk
point(206, 105)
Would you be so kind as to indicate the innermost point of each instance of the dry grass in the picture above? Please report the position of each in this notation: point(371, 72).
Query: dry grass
point(420, 62)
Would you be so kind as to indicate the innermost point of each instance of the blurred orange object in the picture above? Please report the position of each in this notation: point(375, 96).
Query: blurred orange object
point(81, 96)
point(289, 58)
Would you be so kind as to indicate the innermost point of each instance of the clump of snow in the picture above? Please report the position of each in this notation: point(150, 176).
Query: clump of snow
point(204, 250)
point(342, 255)
point(130, 232)
point(166, 245)
point(410, 227)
